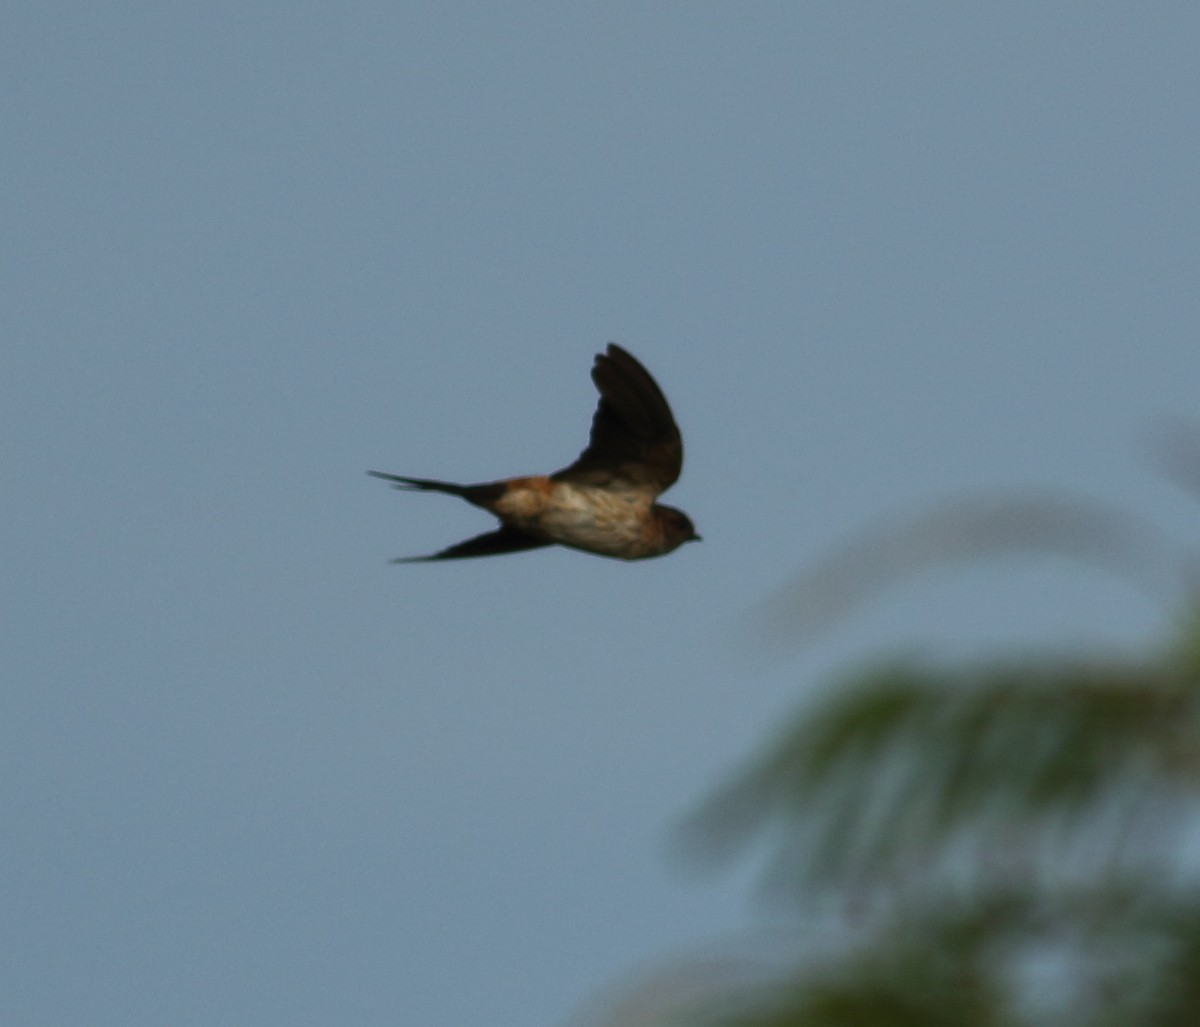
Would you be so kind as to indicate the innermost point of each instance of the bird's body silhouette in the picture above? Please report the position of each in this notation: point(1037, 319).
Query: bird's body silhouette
point(604, 502)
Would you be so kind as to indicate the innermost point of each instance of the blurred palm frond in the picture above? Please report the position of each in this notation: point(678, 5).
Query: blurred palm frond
point(1013, 844)
point(905, 767)
point(1005, 959)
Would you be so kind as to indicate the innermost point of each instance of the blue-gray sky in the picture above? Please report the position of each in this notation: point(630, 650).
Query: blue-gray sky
point(877, 255)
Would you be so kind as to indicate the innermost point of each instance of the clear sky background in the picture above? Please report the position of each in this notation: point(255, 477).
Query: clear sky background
point(878, 255)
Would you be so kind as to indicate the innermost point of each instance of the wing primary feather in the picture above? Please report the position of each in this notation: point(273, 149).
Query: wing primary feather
point(634, 437)
point(628, 385)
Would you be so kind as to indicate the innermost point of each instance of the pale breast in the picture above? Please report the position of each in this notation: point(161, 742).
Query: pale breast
point(599, 520)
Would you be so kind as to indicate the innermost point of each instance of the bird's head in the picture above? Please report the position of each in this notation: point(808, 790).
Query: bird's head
point(677, 526)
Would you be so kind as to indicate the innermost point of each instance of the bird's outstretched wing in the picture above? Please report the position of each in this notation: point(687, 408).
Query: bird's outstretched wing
point(504, 540)
point(635, 441)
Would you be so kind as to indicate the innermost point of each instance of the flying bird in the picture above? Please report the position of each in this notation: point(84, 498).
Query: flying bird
point(604, 503)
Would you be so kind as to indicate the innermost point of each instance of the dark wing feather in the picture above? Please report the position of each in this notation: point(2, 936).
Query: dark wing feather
point(634, 437)
point(493, 543)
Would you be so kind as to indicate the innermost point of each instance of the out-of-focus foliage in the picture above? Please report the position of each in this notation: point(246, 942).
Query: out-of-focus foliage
point(909, 773)
point(997, 844)
point(1008, 846)
point(1109, 957)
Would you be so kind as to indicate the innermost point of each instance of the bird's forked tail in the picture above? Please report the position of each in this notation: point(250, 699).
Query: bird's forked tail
point(479, 494)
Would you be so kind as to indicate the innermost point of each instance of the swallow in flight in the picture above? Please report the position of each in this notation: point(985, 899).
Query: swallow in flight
point(604, 502)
